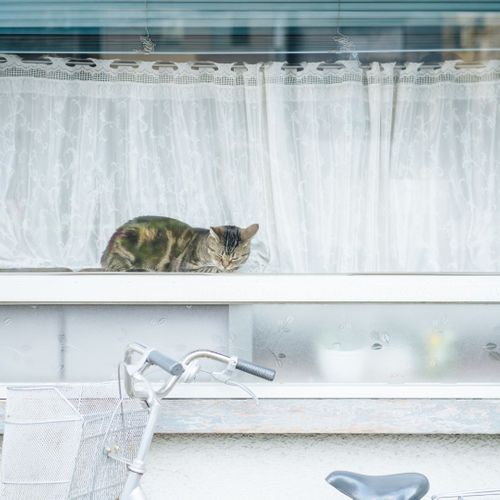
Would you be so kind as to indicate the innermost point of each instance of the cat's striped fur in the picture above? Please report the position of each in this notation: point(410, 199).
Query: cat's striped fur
point(153, 243)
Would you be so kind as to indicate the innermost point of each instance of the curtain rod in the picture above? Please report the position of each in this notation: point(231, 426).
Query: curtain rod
point(237, 65)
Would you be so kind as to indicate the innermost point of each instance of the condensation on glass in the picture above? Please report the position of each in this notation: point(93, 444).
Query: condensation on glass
point(306, 343)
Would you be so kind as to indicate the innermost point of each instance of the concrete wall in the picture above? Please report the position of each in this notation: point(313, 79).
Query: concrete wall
point(292, 467)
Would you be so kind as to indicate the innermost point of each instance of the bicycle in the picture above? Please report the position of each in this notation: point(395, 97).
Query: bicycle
point(405, 486)
point(62, 443)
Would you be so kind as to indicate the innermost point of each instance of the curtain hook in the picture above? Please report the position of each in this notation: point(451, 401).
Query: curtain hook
point(344, 42)
point(148, 46)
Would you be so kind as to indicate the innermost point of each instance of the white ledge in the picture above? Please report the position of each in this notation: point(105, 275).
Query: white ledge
point(151, 288)
point(330, 416)
point(341, 391)
point(485, 391)
point(328, 408)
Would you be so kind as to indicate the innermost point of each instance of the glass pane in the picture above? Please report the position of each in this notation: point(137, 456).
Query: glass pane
point(361, 137)
point(379, 343)
point(86, 343)
point(305, 343)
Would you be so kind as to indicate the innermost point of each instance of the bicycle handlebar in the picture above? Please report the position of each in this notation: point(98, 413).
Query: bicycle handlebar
point(134, 371)
point(256, 370)
point(241, 364)
point(164, 362)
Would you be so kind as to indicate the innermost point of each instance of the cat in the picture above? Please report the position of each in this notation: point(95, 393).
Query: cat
point(153, 243)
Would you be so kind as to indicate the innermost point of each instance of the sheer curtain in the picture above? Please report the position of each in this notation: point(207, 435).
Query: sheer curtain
point(345, 169)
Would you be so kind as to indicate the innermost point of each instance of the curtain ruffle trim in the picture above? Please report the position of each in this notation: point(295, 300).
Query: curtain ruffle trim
point(107, 70)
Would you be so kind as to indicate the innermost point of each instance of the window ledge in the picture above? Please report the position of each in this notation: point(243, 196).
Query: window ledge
point(332, 416)
point(169, 288)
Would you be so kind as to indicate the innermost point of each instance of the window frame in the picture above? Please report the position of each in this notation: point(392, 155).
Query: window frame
point(238, 288)
point(289, 408)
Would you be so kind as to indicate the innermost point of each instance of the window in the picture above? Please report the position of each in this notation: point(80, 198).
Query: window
point(310, 345)
point(362, 138)
point(378, 159)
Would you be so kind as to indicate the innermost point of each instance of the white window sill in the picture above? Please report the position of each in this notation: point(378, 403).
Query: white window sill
point(152, 288)
point(327, 416)
point(322, 391)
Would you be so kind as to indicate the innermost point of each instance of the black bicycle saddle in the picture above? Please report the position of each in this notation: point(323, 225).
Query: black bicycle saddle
point(409, 486)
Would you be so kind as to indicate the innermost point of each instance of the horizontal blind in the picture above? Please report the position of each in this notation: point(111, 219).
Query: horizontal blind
point(253, 26)
point(85, 14)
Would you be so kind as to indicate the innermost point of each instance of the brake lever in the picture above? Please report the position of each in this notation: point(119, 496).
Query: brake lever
point(225, 375)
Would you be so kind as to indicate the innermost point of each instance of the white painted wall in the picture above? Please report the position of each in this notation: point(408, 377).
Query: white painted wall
point(292, 467)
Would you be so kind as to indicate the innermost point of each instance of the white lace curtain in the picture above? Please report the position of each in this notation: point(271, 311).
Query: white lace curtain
point(345, 170)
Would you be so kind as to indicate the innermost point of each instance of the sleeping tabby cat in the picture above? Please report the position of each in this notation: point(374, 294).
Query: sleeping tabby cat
point(154, 243)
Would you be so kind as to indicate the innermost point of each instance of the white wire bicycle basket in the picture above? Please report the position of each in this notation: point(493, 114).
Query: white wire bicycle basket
point(69, 442)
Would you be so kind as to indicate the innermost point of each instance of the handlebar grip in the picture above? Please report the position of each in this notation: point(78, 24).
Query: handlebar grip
point(257, 370)
point(169, 365)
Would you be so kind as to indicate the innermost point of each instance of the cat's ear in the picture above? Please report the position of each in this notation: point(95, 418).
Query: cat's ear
point(249, 232)
point(217, 232)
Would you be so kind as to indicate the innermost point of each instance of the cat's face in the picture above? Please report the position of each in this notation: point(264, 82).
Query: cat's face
point(229, 246)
